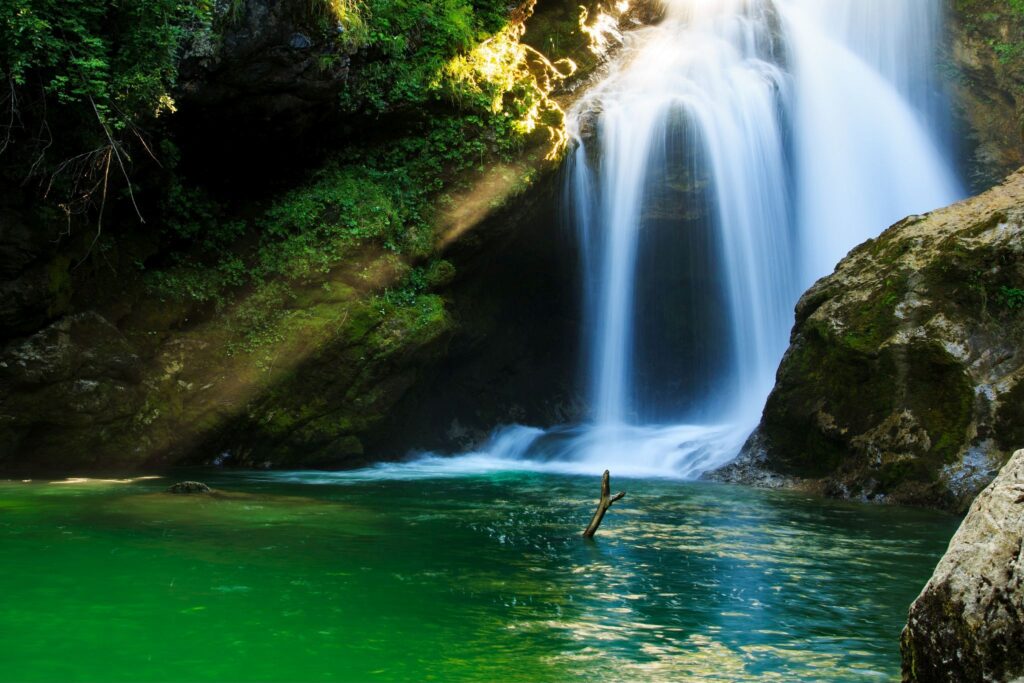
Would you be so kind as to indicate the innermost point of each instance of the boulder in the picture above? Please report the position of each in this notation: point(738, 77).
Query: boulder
point(968, 622)
point(903, 379)
point(189, 487)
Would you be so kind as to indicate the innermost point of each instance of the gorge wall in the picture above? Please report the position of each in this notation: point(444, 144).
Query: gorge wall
point(984, 69)
point(303, 293)
point(333, 213)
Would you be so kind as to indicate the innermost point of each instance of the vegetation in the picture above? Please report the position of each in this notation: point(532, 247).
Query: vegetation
point(1009, 48)
point(335, 262)
point(1011, 297)
point(85, 85)
point(90, 85)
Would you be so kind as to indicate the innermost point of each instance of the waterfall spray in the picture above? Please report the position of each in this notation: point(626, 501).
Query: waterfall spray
point(766, 138)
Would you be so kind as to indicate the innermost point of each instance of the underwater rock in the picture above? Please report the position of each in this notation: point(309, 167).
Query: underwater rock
point(903, 377)
point(968, 622)
point(188, 487)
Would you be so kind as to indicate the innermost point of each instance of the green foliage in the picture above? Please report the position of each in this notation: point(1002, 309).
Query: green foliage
point(83, 83)
point(380, 195)
point(408, 43)
point(1002, 18)
point(120, 55)
point(1011, 297)
point(310, 229)
point(98, 74)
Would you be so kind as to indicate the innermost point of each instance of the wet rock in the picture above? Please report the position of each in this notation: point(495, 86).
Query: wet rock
point(985, 69)
point(968, 622)
point(903, 378)
point(751, 469)
point(189, 487)
point(299, 41)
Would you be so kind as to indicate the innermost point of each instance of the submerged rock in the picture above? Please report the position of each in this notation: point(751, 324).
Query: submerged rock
point(189, 487)
point(968, 622)
point(903, 377)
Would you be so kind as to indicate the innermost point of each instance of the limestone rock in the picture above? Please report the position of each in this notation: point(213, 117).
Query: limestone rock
point(903, 379)
point(968, 622)
point(985, 66)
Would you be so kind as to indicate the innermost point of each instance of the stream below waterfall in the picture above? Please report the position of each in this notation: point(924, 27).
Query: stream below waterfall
point(728, 157)
point(382, 575)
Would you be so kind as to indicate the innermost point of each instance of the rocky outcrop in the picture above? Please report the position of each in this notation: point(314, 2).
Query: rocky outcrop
point(904, 379)
point(278, 66)
point(336, 375)
point(189, 488)
point(985, 72)
point(968, 622)
point(65, 391)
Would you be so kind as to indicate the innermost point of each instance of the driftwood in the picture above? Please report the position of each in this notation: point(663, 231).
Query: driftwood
point(602, 506)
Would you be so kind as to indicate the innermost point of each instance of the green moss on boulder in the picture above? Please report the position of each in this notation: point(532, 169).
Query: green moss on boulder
point(903, 378)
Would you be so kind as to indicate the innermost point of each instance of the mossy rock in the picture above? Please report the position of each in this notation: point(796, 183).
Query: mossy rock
point(905, 365)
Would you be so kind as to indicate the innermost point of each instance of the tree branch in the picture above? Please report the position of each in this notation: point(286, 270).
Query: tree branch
point(602, 505)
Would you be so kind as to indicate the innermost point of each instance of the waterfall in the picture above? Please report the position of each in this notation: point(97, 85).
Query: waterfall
point(732, 154)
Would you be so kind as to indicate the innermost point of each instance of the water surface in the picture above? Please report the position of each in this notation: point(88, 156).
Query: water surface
point(380, 576)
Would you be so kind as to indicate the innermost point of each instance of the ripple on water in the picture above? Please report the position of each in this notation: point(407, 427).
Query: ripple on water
point(481, 577)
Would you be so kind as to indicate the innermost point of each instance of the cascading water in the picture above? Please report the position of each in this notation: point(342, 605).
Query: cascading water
point(733, 154)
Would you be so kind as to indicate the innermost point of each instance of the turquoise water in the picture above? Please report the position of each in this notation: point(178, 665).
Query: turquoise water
point(319, 577)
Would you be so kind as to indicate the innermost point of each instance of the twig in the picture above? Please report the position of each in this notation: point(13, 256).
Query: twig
point(120, 162)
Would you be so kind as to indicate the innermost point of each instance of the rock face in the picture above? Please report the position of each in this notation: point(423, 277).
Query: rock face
point(65, 389)
point(903, 379)
point(968, 622)
point(278, 65)
point(985, 66)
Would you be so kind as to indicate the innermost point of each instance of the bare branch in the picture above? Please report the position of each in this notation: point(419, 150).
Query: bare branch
point(120, 162)
point(602, 505)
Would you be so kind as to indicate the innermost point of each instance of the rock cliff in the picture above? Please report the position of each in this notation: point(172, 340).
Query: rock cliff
point(984, 66)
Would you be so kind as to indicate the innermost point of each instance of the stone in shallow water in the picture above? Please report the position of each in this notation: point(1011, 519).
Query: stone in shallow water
point(968, 622)
point(189, 487)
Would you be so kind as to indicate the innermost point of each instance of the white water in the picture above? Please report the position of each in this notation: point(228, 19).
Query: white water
point(813, 125)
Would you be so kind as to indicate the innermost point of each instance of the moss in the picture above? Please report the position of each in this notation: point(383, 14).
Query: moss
point(363, 318)
point(874, 321)
point(940, 393)
point(820, 376)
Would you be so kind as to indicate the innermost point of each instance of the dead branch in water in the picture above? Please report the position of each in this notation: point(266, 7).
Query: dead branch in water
point(602, 506)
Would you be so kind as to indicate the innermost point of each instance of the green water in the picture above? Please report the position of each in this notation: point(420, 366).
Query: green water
point(464, 578)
